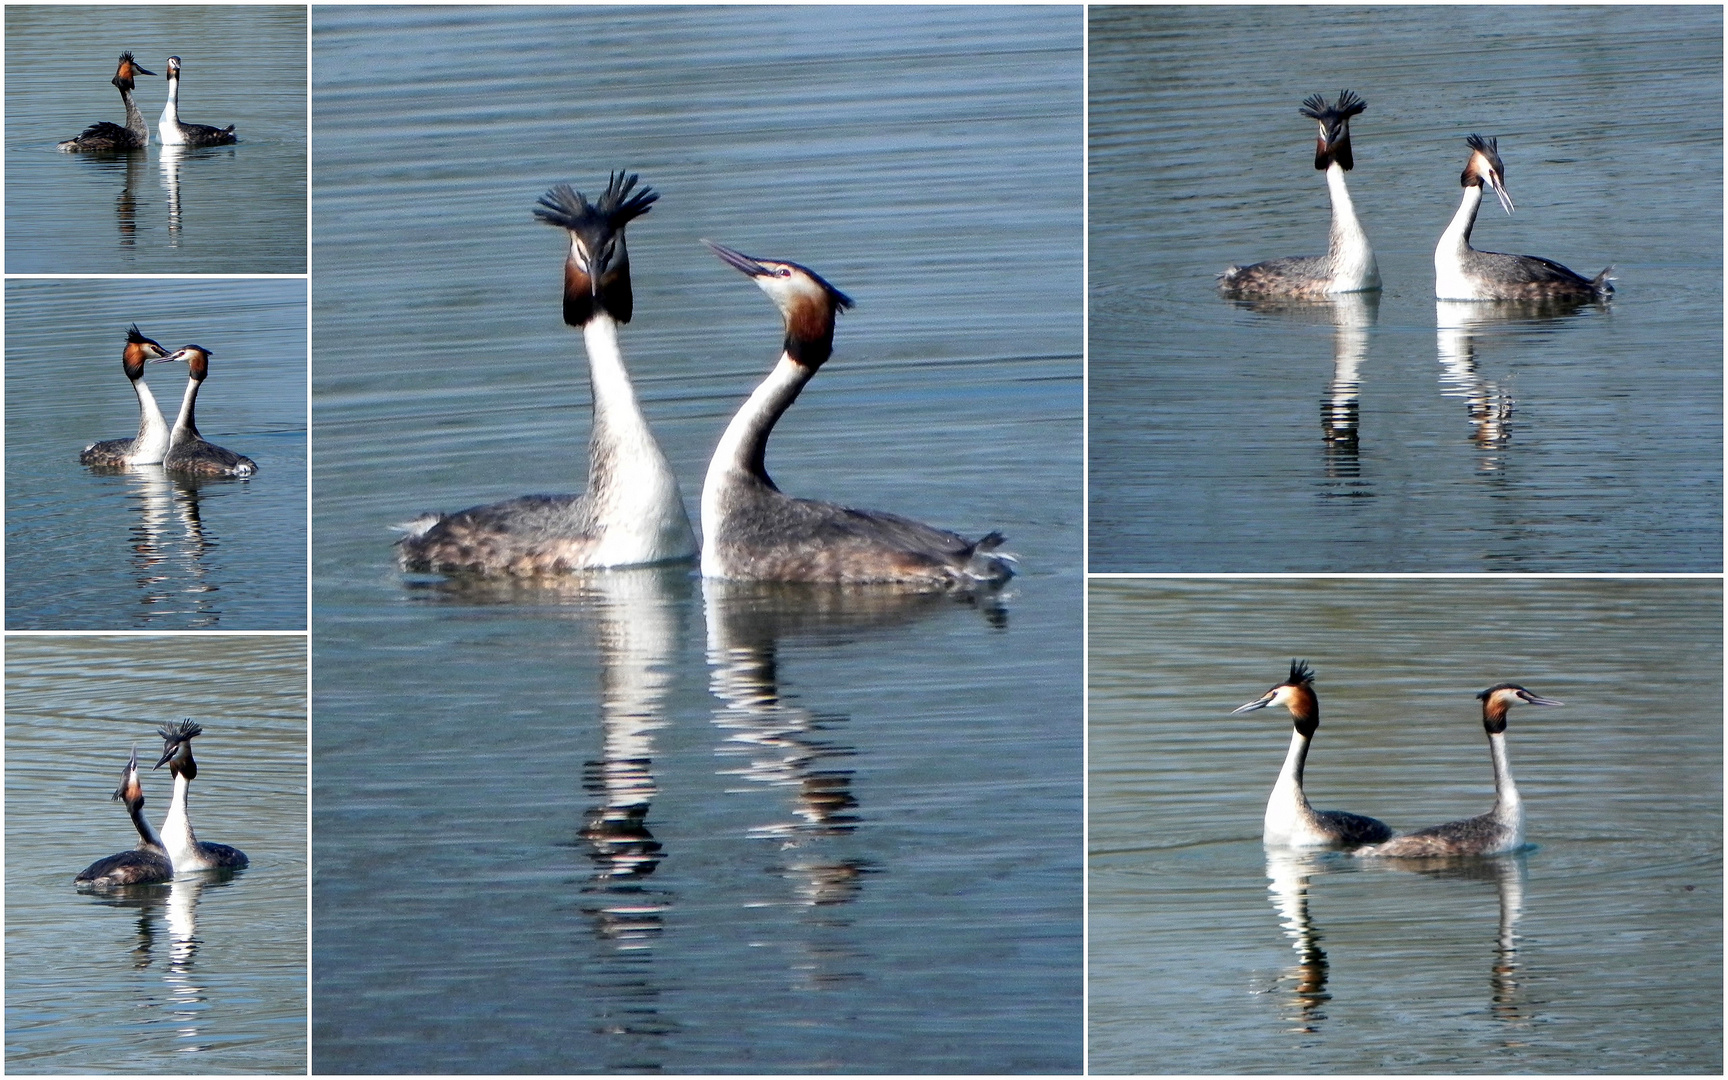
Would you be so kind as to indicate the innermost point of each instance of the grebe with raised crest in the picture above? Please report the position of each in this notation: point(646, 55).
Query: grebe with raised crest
point(151, 442)
point(185, 850)
point(103, 135)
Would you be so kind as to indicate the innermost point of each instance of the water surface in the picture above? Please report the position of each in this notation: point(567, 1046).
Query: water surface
point(1599, 950)
point(1387, 435)
point(636, 823)
point(202, 975)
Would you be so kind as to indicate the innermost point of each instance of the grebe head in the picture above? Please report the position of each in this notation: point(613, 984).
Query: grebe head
point(140, 350)
point(1497, 699)
point(131, 789)
point(129, 68)
point(597, 272)
point(1333, 143)
point(1296, 694)
point(807, 303)
point(173, 67)
point(1484, 168)
point(177, 748)
point(197, 360)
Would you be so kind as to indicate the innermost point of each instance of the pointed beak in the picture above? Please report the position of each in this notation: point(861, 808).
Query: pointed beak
point(1532, 699)
point(737, 260)
point(166, 754)
point(1252, 705)
point(136, 70)
point(1500, 191)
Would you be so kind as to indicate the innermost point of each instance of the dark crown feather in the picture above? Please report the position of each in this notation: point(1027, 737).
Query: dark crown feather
point(1300, 673)
point(186, 729)
point(568, 208)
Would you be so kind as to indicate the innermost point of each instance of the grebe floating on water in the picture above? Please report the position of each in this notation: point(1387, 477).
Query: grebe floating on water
point(753, 532)
point(105, 136)
point(1348, 265)
point(1290, 821)
point(1499, 830)
point(187, 852)
point(633, 512)
point(146, 864)
point(1463, 273)
point(151, 442)
point(187, 450)
point(173, 132)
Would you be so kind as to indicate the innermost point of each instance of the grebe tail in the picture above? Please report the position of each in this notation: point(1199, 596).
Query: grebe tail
point(632, 513)
point(1463, 273)
point(184, 848)
point(187, 451)
point(151, 442)
point(173, 132)
point(1290, 820)
point(1501, 829)
point(146, 864)
point(1349, 265)
point(103, 135)
point(753, 532)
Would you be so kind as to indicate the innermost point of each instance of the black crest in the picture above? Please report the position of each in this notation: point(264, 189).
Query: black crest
point(1334, 142)
point(1300, 673)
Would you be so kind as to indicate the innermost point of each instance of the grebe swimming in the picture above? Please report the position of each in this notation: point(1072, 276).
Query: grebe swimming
point(1463, 273)
point(146, 864)
point(185, 850)
point(1499, 830)
point(105, 136)
point(1290, 821)
point(174, 133)
point(1348, 265)
point(753, 532)
point(151, 442)
point(187, 451)
point(632, 513)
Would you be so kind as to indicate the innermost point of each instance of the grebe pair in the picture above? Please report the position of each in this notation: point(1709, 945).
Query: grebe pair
point(176, 848)
point(1460, 271)
point(633, 512)
point(136, 135)
point(1292, 822)
point(180, 449)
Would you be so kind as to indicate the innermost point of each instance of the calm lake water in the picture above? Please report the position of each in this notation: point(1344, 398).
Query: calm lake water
point(1598, 951)
point(1386, 436)
point(638, 823)
point(224, 209)
point(93, 549)
point(196, 976)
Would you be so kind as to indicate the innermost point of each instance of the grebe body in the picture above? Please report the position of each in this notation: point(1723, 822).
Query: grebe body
point(1290, 820)
point(146, 864)
point(103, 135)
point(185, 850)
point(151, 442)
point(1501, 829)
point(1349, 265)
point(188, 453)
point(1463, 273)
point(751, 531)
point(632, 513)
point(173, 132)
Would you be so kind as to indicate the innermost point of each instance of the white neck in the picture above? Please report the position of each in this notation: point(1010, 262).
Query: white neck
point(630, 483)
point(152, 441)
point(1353, 266)
point(1508, 808)
point(177, 835)
point(1289, 818)
point(1450, 282)
point(185, 427)
point(740, 457)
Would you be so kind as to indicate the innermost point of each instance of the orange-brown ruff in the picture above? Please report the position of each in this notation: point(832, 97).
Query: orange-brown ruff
point(754, 532)
point(188, 452)
point(103, 135)
point(151, 442)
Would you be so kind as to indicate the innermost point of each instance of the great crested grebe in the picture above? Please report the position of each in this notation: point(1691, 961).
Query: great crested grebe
point(187, 852)
point(1499, 830)
point(173, 132)
point(187, 450)
point(632, 513)
point(1290, 821)
point(146, 864)
point(105, 136)
point(753, 532)
point(1463, 273)
point(151, 442)
point(1348, 265)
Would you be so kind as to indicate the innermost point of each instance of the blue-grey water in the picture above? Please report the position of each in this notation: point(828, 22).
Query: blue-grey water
point(227, 209)
point(142, 549)
point(1599, 951)
point(203, 974)
point(637, 823)
point(1385, 436)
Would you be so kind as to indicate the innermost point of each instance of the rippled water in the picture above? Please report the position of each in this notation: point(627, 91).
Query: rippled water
point(1387, 435)
point(224, 209)
point(1598, 951)
point(197, 976)
point(96, 549)
point(637, 823)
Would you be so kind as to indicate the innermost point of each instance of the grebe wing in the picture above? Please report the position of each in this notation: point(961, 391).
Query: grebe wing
point(225, 856)
point(1356, 828)
point(140, 866)
point(1530, 269)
